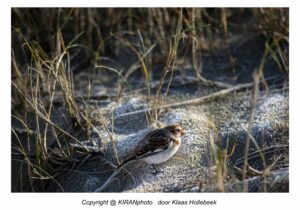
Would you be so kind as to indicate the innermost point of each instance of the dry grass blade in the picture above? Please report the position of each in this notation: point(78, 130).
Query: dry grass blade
point(112, 176)
point(42, 116)
point(145, 69)
point(218, 161)
point(196, 101)
point(169, 67)
point(250, 124)
point(110, 135)
point(154, 55)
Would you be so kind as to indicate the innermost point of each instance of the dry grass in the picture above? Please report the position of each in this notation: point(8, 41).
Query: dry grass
point(46, 47)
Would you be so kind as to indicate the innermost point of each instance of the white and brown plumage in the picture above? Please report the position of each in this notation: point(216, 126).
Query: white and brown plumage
point(158, 145)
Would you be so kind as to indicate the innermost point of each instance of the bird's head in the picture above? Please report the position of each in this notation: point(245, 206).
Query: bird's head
point(175, 130)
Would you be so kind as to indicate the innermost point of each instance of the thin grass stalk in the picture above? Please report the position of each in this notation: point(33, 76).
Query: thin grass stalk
point(196, 46)
point(111, 137)
point(169, 67)
point(249, 130)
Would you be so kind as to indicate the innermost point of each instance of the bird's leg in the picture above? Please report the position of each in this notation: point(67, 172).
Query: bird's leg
point(156, 171)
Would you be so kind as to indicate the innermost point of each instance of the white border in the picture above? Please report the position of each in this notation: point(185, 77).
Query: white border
point(73, 200)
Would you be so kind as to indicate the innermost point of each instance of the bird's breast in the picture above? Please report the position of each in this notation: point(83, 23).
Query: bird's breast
point(165, 154)
point(177, 142)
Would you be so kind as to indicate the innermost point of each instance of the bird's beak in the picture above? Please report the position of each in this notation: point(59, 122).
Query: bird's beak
point(182, 132)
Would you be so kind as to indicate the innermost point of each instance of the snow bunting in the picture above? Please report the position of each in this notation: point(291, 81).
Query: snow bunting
point(157, 146)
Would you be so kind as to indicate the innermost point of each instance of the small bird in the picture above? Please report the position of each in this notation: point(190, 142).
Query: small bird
point(156, 147)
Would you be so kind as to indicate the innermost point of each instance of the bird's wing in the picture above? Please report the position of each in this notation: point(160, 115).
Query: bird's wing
point(153, 143)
